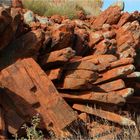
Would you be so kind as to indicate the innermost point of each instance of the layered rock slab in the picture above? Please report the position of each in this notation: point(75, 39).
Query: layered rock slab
point(35, 94)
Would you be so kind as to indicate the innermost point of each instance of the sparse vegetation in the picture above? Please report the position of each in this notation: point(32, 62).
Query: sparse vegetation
point(128, 132)
point(63, 7)
point(32, 133)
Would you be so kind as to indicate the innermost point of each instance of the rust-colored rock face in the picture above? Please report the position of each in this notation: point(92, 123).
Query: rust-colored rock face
point(25, 46)
point(32, 92)
point(109, 34)
point(109, 16)
point(54, 74)
point(97, 97)
point(116, 73)
point(112, 86)
point(128, 36)
point(126, 17)
point(102, 47)
point(57, 57)
point(95, 37)
point(75, 74)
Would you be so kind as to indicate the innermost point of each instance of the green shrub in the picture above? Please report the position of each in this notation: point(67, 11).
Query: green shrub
point(31, 131)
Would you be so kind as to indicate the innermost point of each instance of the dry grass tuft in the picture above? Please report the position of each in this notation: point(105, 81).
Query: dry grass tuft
point(63, 7)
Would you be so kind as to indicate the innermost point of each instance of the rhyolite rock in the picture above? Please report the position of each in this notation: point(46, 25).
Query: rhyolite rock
point(109, 16)
point(94, 38)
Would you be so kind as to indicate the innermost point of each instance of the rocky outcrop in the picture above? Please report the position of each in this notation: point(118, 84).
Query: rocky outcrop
point(110, 16)
point(55, 66)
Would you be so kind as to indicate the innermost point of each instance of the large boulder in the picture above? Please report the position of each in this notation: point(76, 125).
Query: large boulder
point(109, 16)
point(27, 45)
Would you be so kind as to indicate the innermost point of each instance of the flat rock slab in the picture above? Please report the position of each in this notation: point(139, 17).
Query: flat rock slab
point(125, 93)
point(57, 57)
point(32, 92)
point(82, 74)
point(81, 65)
point(113, 117)
point(74, 83)
point(116, 73)
point(55, 74)
point(106, 58)
point(113, 85)
point(94, 97)
point(122, 62)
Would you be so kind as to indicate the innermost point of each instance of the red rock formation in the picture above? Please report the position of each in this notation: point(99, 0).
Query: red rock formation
point(90, 60)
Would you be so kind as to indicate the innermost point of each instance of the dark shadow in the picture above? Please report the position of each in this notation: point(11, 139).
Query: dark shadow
point(18, 49)
point(80, 46)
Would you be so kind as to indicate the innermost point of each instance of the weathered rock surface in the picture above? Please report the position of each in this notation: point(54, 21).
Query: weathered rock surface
point(126, 17)
point(104, 114)
point(91, 97)
point(109, 16)
point(35, 95)
point(112, 86)
point(116, 73)
point(95, 37)
point(57, 57)
point(54, 74)
point(27, 45)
